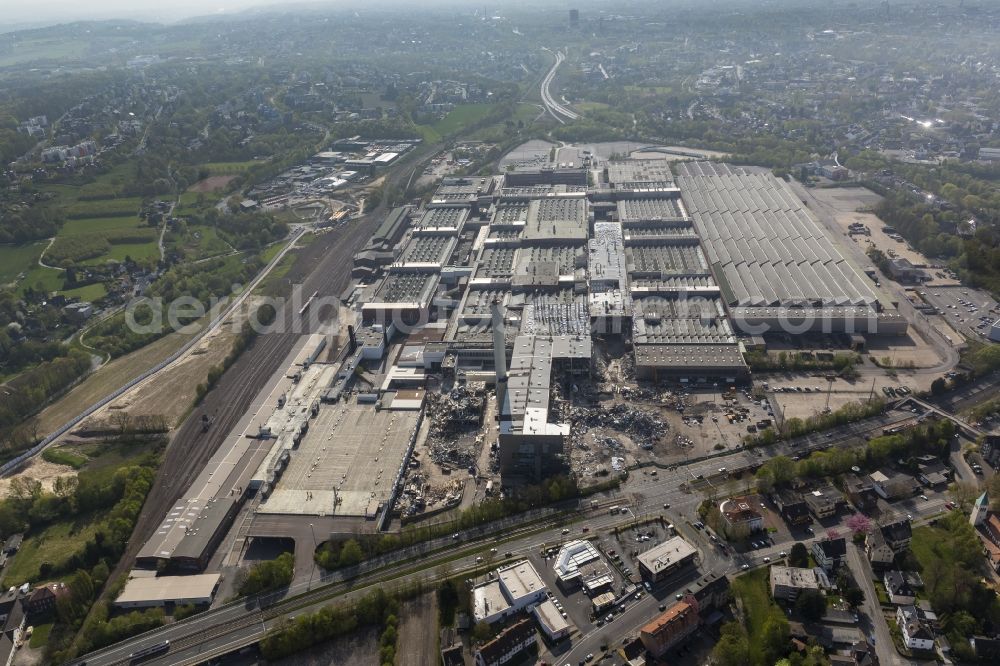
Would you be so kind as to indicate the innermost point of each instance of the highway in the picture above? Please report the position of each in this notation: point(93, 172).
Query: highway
point(235, 625)
point(555, 109)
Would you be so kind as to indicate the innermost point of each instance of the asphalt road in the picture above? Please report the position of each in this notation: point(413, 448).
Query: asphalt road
point(875, 624)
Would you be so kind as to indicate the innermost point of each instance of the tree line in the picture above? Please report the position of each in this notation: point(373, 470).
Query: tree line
point(349, 552)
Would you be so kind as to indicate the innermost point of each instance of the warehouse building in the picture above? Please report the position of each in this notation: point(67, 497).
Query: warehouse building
point(776, 267)
point(516, 587)
point(150, 591)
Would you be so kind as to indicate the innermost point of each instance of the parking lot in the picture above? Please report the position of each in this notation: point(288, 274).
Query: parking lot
point(967, 310)
point(618, 556)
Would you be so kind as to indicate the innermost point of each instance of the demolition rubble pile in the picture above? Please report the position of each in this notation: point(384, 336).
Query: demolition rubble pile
point(454, 417)
point(643, 427)
point(418, 495)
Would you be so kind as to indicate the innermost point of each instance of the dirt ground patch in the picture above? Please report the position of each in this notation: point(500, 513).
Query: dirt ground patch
point(211, 184)
point(173, 391)
point(40, 470)
point(360, 649)
point(107, 379)
point(417, 641)
point(846, 199)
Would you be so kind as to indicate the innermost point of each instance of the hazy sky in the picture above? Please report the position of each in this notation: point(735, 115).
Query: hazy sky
point(59, 11)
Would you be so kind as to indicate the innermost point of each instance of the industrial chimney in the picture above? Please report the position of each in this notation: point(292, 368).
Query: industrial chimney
point(499, 343)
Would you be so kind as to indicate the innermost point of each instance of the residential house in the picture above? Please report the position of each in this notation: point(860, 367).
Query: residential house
point(824, 502)
point(863, 654)
point(13, 626)
point(508, 645)
point(671, 627)
point(899, 590)
point(792, 507)
point(916, 634)
point(787, 582)
point(8, 600)
point(991, 527)
point(711, 591)
point(987, 649)
point(932, 472)
point(898, 535)
point(740, 517)
point(830, 554)
point(452, 655)
point(879, 553)
point(42, 600)
point(890, 484)
point(861, 492)
point(991, 449)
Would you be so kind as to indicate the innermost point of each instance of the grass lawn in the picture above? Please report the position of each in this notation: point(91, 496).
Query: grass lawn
point(270, 286)
point(461, 116)
point(138, 252)
point(54, 544)
point(199, 242)
point(63, 455)
point(272, 251)
point(753, 590)
point(187, 203)
point(17, 259)
point(40, 635)
point(46, 279)
point(89, 225)
point(90, 292)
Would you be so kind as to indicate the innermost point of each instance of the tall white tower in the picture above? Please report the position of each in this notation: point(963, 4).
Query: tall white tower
point(499, 344)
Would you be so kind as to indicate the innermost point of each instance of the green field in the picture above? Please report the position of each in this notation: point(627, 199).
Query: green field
point(44, 279)
point(462, 116)
point(90, 292)
point(128, 207)
point(91, 225)
point(62, 455)
point(187, 204)
point(752, 589)
point(54, 544)
point(199, 242)
point(135, 251)
point(55, 49)
point(457, 119)
point(229, 168)
point(17, 259)
point(40, 635)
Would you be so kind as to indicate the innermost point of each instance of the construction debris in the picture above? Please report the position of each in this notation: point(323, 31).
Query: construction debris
point(641, 426)
point(454, 417)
